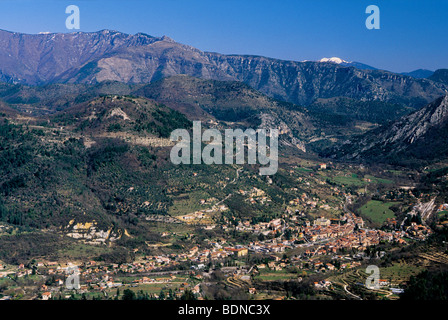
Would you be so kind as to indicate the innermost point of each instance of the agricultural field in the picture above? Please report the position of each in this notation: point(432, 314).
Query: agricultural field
point(189, 203)
point(377, 211)
point(349, 180)
point(271, 275)
point(352, 285)
point(378, 180)
point(399, 272)
point(80, 251)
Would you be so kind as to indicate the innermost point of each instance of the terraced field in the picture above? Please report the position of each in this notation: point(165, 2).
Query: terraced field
point(399, 273)
point(343, 285)
point(236, 282)
point(435, 257)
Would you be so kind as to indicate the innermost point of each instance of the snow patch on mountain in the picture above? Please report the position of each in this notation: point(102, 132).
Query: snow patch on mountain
point(334, 60)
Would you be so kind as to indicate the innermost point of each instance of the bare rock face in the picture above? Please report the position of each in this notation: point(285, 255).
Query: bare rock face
point(90, 233)
point(421, 135)
point(110, 55)
point(42, 58)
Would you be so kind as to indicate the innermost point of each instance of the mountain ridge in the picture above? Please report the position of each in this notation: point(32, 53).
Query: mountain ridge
point(415, 139)
point(140, 58)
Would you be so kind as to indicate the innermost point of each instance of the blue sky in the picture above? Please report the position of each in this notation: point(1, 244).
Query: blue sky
point(413, 33)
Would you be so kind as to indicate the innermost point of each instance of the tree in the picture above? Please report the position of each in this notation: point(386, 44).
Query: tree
point(128, 295)
point(188, 295)
point(427, 286)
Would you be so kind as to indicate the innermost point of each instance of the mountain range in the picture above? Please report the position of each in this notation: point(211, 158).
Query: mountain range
point(310, 101)
point(418, 74)
point(87, 177)
point(94, 57)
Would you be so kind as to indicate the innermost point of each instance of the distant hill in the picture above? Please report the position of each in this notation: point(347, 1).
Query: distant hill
point(55, 97)
point(371, 111)
point(440, 75)
point(232, 101)
point(122, 114)
point(419, 73)
point(80, 162)
point(415, 139)
point(226, 101)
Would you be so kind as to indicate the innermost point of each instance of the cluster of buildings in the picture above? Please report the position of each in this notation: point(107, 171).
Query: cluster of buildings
point(266, 228)
point(94, 276)
point(349, 234)
point(417, 231)
point(200, 215)
point(323, 237)
point(255, 195)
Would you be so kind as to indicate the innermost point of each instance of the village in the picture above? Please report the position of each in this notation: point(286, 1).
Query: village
point(336, 238)
point(314, 233)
